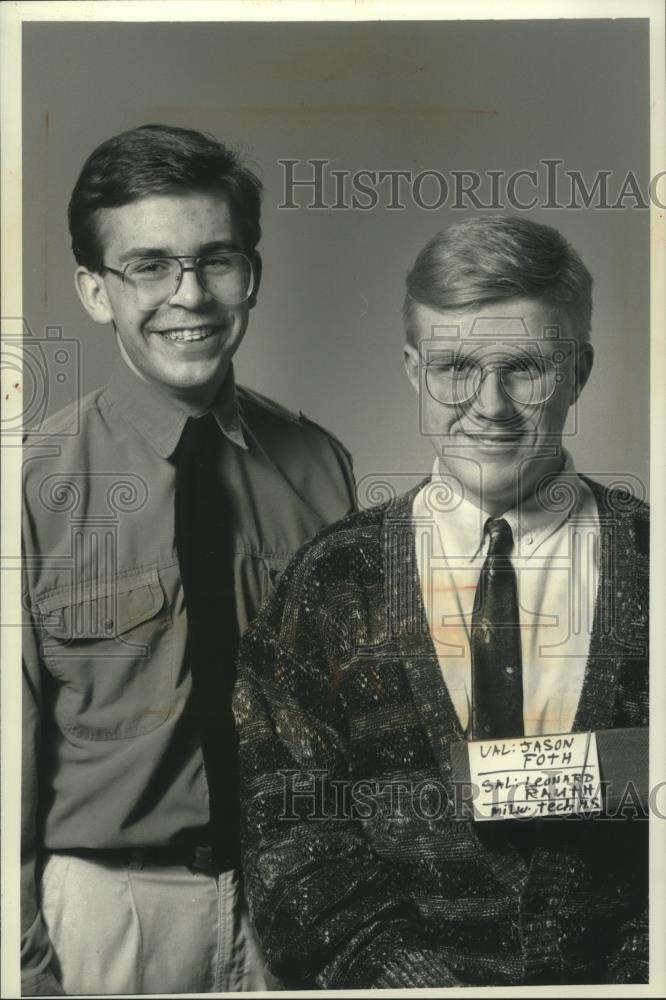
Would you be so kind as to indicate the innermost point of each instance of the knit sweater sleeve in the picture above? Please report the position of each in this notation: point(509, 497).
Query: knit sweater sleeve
point(630, 962)
point(331, 914)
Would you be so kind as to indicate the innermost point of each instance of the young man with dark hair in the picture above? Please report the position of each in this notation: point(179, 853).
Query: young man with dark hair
point(504, 598)
point(159, 512)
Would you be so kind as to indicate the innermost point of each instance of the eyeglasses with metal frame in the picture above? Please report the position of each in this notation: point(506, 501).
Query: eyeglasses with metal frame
point(226, 275)
point(527, 379)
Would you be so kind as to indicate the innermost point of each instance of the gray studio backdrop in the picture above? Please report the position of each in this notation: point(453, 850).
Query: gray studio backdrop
point(326, 335)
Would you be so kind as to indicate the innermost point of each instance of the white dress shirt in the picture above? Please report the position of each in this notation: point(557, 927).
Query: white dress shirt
point(556, 560)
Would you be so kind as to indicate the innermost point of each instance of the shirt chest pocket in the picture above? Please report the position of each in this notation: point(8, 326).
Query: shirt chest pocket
point(108, 646)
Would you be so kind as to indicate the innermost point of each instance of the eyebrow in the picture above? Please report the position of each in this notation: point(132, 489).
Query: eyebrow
point(461, 355)
point(135, 253)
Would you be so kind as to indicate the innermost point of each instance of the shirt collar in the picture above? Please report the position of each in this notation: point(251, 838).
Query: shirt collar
point(160, 419)
point(535, 520)
point(540, 515)
point(459, 521)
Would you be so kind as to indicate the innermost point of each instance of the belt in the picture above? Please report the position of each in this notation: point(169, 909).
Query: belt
point(198, 858)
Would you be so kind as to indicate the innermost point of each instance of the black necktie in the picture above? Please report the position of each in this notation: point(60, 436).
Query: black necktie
point(497, 681)
point(205, 556)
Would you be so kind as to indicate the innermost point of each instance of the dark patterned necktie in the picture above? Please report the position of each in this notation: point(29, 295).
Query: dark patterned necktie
point(497, 679)
point(205, 556)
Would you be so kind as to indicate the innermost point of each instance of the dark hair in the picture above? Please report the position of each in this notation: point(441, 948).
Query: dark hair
point(158, 159)
point(489, 258)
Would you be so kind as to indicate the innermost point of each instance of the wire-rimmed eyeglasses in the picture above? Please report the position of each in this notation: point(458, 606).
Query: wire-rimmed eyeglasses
point(228, 276)
point(528, 379)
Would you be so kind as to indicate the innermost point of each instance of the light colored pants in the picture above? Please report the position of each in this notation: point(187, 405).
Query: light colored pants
point(133, 928)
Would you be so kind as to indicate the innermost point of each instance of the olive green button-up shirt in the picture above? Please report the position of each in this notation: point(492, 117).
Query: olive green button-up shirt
point(111, 757)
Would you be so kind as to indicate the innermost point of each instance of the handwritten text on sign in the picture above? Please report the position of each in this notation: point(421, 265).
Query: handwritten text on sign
point(535, 776)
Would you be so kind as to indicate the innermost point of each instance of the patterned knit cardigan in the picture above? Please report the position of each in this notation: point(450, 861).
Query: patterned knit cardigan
point(358, 875)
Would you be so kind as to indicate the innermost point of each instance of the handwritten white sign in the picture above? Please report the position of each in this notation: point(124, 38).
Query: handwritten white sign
point(535, 776)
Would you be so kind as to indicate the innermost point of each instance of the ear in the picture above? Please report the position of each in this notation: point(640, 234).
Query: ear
point(412, 365)
point(584, 355)
point(91, 290)
point(257, 268)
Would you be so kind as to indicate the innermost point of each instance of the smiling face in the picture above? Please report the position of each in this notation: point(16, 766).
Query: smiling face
point(186, 343)
point(497, 446)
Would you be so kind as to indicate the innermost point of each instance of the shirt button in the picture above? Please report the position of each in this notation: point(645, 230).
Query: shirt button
point(108, 624)
point(529, 539)
point(510, 670)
